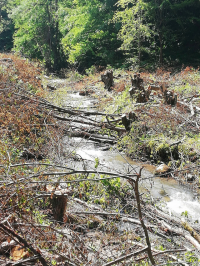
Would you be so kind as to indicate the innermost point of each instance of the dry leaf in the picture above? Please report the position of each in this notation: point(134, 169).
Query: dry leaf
point(17, 253)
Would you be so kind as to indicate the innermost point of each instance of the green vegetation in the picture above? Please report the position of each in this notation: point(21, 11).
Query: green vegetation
point(83, 33)
point(54, 211)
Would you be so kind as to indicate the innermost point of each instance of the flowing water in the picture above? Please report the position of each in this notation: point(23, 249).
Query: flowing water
point(173, 198)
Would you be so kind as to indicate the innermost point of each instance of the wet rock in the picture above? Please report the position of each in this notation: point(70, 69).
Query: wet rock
point(190, 178)
point(9, 60)
point(105, 148)
point(162, 169)
point(51, 87)
point(82, 93)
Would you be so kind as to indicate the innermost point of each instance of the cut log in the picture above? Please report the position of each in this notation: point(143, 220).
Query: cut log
point(132, 91)
point(181, 232)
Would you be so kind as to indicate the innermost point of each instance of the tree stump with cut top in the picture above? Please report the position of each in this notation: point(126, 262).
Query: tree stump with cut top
point(107, 79)
point(59, 205)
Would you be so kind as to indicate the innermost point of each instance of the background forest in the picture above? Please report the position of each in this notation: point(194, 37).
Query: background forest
point(82, 33)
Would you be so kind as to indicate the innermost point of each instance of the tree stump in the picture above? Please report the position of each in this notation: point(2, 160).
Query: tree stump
point(132, 91)
point(132, 116)
point(137, 82)
point(143, 96)
point(59, 205)
point(137, 87)
point(107, 79)
point(126, 122)
point(170, 98)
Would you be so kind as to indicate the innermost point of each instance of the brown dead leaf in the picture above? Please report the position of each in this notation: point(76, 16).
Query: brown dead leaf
point(17, 253)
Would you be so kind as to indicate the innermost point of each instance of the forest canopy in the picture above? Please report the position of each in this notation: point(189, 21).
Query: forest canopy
point(120, 33)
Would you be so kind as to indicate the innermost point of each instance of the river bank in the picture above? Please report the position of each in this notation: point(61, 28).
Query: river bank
point(73, 200)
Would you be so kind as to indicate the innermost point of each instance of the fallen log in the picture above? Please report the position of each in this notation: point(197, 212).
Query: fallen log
point(193, 233)
point(181, 232)
point(101, 125)
point(126, 257)
point(96, 138)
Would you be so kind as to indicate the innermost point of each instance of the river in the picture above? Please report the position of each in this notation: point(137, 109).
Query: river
point(175, 199)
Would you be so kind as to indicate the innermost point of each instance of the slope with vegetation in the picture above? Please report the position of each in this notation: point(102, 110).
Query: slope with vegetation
point(53, 214)
point(56, 207)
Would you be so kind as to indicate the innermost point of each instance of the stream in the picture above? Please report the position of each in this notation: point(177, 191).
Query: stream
point(168, 194)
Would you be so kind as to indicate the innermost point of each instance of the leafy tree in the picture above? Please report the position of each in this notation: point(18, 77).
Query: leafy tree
point(90, 37)
point(185, 26)
point(176, 23)
point(6, 27)
point(37, 33)
point(135, 32)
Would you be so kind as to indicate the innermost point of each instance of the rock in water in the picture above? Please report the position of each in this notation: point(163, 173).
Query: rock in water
point(162, 169)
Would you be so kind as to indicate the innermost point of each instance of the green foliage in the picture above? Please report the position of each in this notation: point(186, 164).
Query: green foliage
point(112, 186)
point(191, 258)
point(37, 33)
point(102, 32)
point(185, 214)
point(89, 36)
point(96, 162)
point(6, 28)
point(135, 31)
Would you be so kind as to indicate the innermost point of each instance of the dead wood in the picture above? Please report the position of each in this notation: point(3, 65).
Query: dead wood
point(137, 196)
point(86, 135)
point(59, 205)
point(137, 82)
point(170, 97)
point(135, 221)
point(126, 257)
point(14, 235)
point(100, 125)
point(157, 252)
point(142, 95)
point(107, 79)
point(89, 206)
point(126, 122)
point(181, 232)
point(191, 231)
point(5, 246)
point(23, 261)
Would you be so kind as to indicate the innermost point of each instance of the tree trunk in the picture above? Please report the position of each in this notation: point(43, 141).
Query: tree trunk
point(161, 48)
